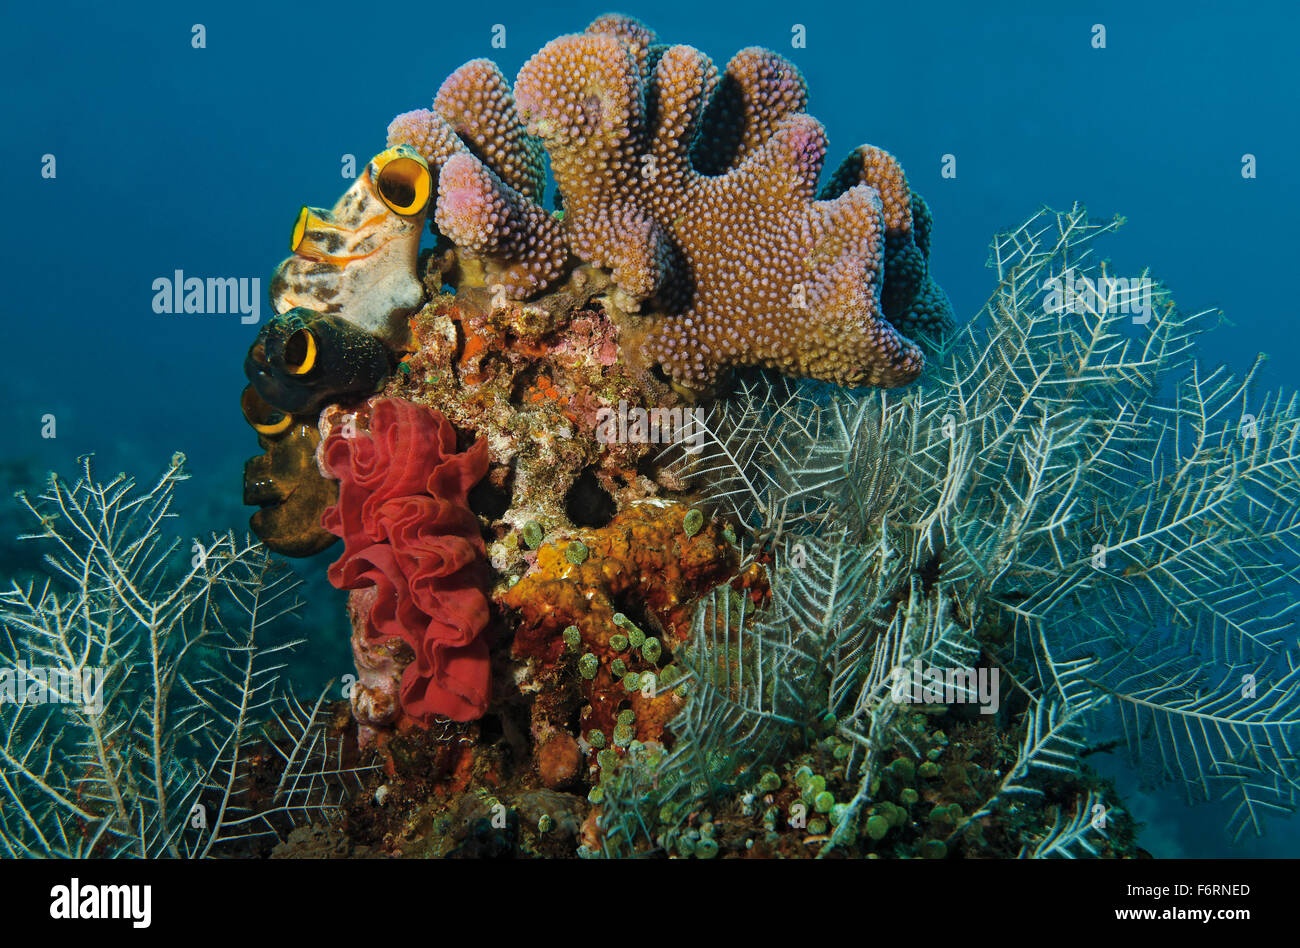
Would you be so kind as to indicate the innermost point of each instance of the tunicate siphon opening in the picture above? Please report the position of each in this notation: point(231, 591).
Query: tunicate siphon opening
point(300, 352)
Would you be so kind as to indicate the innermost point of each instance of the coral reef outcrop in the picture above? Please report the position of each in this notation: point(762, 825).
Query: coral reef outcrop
point(500, 416)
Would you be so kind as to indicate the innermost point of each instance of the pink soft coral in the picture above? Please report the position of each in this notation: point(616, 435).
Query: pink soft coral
point(408, 531)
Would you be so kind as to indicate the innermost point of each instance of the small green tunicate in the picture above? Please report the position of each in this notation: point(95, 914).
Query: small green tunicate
point(623, 735)
point(572, 638)
point(595, 795)
point(706, 848)
point(903, 769)
point(817, 827)
point(908, 797)
point(940, 815)
point(841, 751)
point(693, 522)
point(929, 769)
point(823, 802)
point(588, 665)
point(877, 827)
point(533, 534)
point(934, 753)
point(618, 642)
point(607, 759)
point(769, 782)
point(635, 637)
point(651, 650)
point(934, 849)
point(838, 812)
point(939, 738)
point(618, 667)
point(686, 846)
point(546, 823)
point(576, 552)
point(729, 535)
point(802, 776)
point(632, 681)
point(596, 739)
point(815, 785)
point(627, 716)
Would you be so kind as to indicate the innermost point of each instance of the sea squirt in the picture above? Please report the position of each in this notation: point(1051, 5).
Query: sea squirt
point(357, 261)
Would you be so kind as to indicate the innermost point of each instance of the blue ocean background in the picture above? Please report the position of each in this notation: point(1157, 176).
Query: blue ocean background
point(175, 158)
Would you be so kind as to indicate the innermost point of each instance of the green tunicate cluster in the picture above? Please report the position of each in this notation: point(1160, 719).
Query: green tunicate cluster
point(588, 665)
point(576, 552)
point(948, 815)
point(651, 650)
point(533, 534)
point(634, 635)
point(693, 523)
point(814, 785)
point(572, 638)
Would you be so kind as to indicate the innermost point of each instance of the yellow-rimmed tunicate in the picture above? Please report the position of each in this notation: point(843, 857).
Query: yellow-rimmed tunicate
point(357, 261)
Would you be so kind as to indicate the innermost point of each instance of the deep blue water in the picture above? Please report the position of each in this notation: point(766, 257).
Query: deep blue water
point(170, 157)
